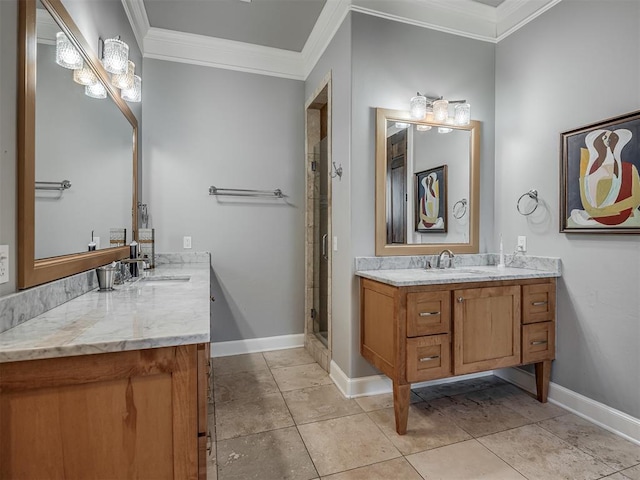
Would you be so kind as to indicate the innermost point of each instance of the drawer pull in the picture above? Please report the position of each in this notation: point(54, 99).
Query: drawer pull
point(539, 342)
point(428, 314)
point(539, 304)
point(427, 359)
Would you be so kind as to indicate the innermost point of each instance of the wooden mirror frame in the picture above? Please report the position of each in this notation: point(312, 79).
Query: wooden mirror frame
point(385, 249)
point(33, 272)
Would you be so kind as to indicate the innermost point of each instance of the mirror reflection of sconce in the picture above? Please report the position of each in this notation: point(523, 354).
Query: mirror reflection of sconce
point(337, 171)
point(114, 54)
point(438, 107)
point(460, 208)
point(528, 207)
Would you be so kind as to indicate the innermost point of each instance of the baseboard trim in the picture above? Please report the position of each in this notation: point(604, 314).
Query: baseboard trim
point(377, 384)
point(254, 345)
point(610, 419)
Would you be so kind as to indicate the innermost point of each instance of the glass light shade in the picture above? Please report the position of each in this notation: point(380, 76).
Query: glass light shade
point(66, 54)
point(124, 81)
point(402, 125)
point(95, 91)
point(462, 114)
point(440, 110)
point(423, 128)
point(133, 94)
point(115, 56)
point(85, 76)
point(445, 130)
point(418, 107)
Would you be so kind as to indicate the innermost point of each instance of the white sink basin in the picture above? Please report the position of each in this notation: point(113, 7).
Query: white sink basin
point(164, 280)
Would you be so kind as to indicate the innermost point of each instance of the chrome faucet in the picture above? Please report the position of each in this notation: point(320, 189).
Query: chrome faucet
point(450, 254)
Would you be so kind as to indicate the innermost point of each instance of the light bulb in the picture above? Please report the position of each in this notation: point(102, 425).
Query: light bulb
point(115, 56)
point(462, 114)
point(440, 110)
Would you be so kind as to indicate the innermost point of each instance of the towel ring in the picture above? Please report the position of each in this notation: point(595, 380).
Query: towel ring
point(532, 194)
point(459, 211)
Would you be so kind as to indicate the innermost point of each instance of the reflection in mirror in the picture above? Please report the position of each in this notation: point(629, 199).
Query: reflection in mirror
point(64, 136)
point(86, 141)
point(427, 185)
point(425, 214)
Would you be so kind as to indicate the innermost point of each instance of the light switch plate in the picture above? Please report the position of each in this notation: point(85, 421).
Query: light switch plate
point(4, 263)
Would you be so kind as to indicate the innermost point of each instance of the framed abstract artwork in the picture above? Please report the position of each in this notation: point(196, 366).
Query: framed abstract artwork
point(431, 200)
point(599, 180)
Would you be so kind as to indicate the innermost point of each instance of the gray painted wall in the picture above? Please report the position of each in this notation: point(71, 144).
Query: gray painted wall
point(337, 60)
point(391, 61)
point(576, 64)
point(206, 126)
point(94, 18)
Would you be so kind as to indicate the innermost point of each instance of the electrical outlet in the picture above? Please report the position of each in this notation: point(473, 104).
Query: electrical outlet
point(335, 244)
point(4, 263)
point(522, 243)
point(186, 242)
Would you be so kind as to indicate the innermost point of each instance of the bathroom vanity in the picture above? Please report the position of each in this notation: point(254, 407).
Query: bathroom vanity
point(418, 325)
point(111, 384)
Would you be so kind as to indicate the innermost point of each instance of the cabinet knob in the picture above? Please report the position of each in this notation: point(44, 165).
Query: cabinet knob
point(460, 299)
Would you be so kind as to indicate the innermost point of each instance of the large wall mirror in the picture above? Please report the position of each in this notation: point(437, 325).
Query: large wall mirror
point(65, 135)
point(427, 185)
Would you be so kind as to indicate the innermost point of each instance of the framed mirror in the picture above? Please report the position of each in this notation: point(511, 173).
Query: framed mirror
point(77, 156)
point(427, 185)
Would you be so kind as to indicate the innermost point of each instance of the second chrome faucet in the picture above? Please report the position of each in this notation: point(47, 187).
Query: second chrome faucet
point(440, 262)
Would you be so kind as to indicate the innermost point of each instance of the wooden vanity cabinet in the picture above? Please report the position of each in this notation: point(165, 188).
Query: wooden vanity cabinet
point(419, 333)
point(133, 414)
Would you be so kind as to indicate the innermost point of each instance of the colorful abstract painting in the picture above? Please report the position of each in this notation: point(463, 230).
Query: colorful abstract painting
point(431, 200)
point(599, 181)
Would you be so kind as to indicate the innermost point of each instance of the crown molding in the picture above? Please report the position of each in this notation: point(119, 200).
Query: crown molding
point(137, 15)
point(331, 17)
point(228, 54)
point(460, 17)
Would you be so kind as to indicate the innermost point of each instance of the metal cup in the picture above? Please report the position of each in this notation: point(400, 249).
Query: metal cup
point(106, 277)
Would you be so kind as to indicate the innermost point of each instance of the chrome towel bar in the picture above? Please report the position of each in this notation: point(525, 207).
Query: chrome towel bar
point(63, 185)
point(239, 192)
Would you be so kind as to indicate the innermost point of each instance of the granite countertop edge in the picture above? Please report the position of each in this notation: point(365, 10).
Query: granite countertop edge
point(132, 317)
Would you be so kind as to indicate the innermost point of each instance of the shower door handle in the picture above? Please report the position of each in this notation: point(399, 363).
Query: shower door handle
point(324, 246)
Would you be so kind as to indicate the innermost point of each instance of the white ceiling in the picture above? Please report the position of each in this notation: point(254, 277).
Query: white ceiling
point(285, 38)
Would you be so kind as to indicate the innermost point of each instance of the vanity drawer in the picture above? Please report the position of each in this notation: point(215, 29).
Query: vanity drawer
point(538, 342)
point(428, 313)
point(428, 357)
point(538, 303)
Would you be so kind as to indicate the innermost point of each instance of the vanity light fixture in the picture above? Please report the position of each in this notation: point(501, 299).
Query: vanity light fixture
point(124, 81)
point(85, 76)
point(66, 54)
point(96, 90)
point(421, 106)
point(115, 55)
point(445, 130)
point(133, 94)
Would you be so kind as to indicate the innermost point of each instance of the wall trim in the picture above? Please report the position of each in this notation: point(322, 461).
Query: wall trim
point(609, 418)
point(137, 15)
point(255, 345)
point(377, 384)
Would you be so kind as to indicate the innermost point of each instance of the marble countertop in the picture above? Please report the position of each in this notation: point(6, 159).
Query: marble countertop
point(404, 277)
point(137, 315)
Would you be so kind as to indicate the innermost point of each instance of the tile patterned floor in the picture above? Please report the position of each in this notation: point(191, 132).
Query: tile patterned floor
point(278, 415)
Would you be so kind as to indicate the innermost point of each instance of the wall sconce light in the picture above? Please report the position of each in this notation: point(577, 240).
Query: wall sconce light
point(115, 56)
point(85, 76)
point(124, 81)
point(133, 94)
point(66, 54)
point(96, 90)
point(421, 106)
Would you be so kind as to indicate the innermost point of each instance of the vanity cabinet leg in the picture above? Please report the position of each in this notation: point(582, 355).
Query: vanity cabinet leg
point(543, 376)
point(401, 394)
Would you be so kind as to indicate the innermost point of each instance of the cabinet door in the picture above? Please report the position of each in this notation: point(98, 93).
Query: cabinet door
point(486, 328)
point(113, 415)
point(428, 313)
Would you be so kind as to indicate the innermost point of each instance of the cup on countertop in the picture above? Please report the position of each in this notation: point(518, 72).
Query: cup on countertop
point(106, 277)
